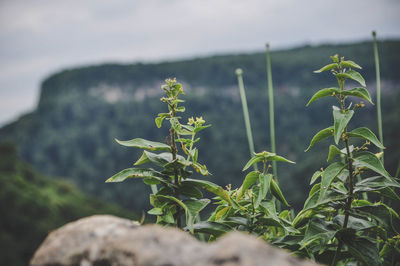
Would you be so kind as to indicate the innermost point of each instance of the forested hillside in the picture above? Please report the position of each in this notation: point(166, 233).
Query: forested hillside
point(32, 205)
point(81, 110)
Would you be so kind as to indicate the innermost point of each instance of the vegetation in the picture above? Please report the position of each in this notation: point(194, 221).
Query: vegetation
point(71, 133)
point(341, 221)
point(174, 174)
point(32, 205)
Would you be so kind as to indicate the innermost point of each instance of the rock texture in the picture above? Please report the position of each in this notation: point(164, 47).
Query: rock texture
point(104, 240)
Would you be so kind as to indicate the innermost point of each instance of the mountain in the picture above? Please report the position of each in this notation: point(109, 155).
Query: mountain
point(32, 205)
point(81, 110)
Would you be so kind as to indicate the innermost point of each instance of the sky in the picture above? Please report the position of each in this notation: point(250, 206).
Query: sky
point(41, 37)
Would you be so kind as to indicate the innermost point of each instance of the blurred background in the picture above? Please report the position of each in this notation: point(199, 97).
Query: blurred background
point(74, 75)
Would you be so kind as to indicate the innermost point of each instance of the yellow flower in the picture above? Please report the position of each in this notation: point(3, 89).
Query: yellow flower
point(191, 121)
point(200, 120)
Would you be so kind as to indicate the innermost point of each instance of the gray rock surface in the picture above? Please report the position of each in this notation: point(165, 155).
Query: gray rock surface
point(103, 240)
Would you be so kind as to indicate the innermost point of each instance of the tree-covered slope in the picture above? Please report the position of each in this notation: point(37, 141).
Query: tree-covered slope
point(32, 205)
point(81, 110)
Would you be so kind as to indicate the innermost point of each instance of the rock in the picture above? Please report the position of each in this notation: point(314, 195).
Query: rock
point(103, 240)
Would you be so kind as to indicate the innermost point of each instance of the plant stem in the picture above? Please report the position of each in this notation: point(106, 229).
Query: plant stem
point(397, 171)
point(252, 215)
point(239, 74)
point(349, 199)
point(190, 150)
point(378, 89)
point(271, 110)
point(154, 189)
point(349, 160)
point(176, 181)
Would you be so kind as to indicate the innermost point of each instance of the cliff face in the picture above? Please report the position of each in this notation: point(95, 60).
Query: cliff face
point(292, 68)
point(81, 110)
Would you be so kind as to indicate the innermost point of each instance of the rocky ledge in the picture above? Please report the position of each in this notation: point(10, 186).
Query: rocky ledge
point(102, 240)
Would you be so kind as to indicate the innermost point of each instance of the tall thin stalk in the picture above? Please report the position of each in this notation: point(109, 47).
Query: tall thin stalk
point(349, 181)
point(271, 110)
point(239, 74)
point(378, 89)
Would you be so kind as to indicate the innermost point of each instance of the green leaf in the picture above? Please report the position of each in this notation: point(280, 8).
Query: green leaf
point(155, 211)
point(265, 156)
point(181, 109)
point(312, 203)
point(379, 211)
point(323, 134)
point(389, 193)
point(213, 228)
point(211, 187)
point(350, 64)
point(248, 181)
point(236, 221)
point(357, 224)
point(199, 128)
point(327, 177)
point(252, 161)
point(351, 74)
point(189, 128)
point(142, 160)
point(315, 176)
point(341, 119)
point(366, 134)
point(155, 202)
point(333, 151)
point(151, 181)
point(174, 121)
point(136, 173)
point(276, 191)
point(171, 198)
point(269, 221)
point(193, 208)
point(327, 67)
point(176, 164)
point(268, 207)
point(265, 181)
point(278, 158)
point(159, 159)
point(370, 161)
point(168, 217)
point(375, 183)
point(358, 92)
point(196, 154)
point(190, 191)
point(335, 58)
point(365, 249)
point(323, 93)
point(199, 168)
point(318, 231)
point(288, 242)
point(144, 144)
point(221, 212)
point(159, 119)
point(213, 215)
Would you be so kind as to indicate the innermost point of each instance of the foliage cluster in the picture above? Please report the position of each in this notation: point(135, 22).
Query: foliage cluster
point(346, 218)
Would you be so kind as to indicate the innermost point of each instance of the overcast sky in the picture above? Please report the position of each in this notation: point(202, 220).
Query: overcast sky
point(40, 37)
